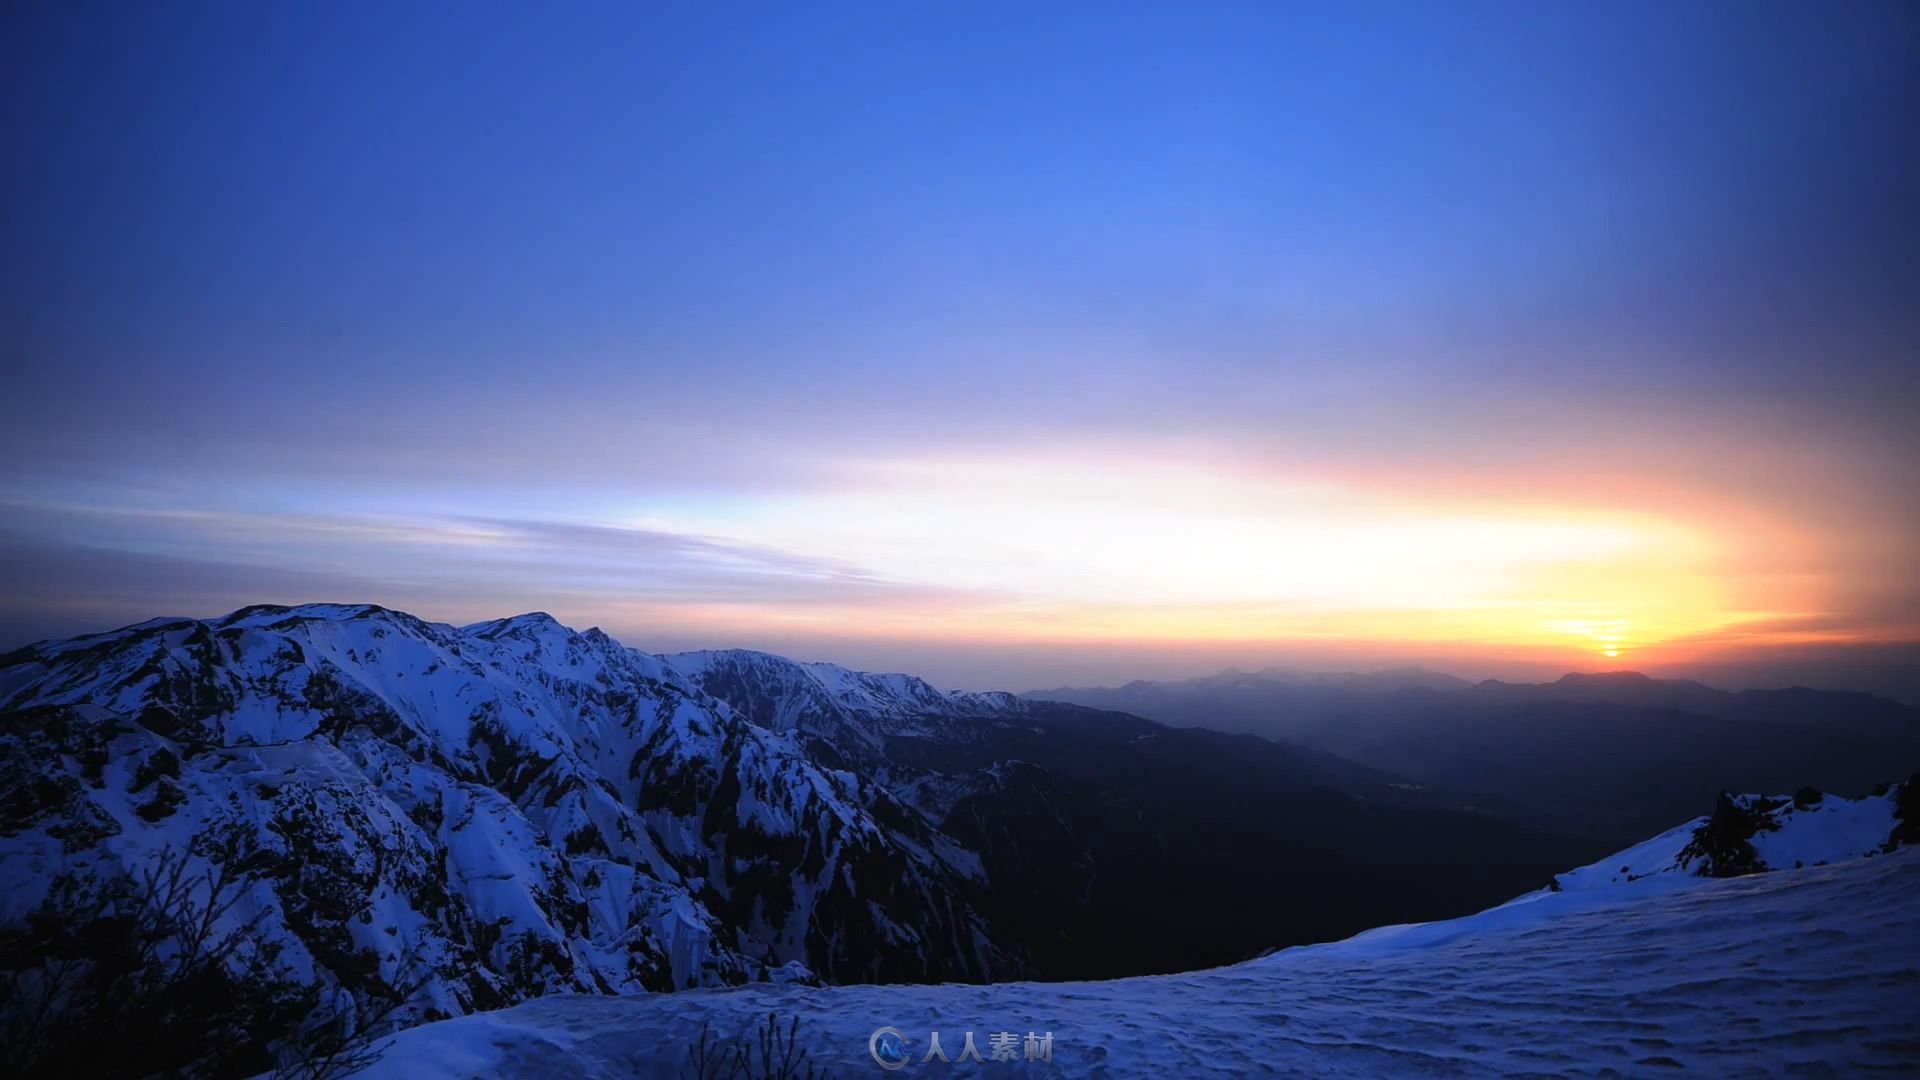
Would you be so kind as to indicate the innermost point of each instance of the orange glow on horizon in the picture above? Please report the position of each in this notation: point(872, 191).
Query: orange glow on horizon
point(1171, 550)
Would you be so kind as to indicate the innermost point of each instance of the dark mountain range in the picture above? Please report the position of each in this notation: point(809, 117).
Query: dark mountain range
point(1614, 755)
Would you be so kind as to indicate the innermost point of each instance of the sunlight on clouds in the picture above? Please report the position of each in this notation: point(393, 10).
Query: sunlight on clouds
point(1172, 551)
point(1095, 549)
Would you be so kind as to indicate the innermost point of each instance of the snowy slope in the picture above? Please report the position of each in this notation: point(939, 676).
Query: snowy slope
point(1753, 833)
point(1796, 971)
point(1746, 834)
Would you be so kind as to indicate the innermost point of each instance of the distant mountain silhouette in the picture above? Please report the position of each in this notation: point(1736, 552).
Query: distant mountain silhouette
point(1611, 754)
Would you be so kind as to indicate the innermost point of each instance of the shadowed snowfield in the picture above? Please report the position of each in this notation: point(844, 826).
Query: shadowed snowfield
point(1795, 972)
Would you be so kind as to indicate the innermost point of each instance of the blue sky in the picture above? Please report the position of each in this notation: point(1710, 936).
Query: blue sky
point(700, 322)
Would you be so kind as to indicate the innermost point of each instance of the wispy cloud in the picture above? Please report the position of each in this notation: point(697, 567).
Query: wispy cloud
point(65, 563)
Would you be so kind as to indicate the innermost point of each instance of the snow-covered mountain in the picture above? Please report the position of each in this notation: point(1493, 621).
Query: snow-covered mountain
point(1647, 961)
point(534, 809)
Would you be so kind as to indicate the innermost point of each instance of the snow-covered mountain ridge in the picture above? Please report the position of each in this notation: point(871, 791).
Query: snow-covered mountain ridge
point(531, 808)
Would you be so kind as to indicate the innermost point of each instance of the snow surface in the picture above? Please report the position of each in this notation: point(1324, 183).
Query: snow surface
point(1813, 971)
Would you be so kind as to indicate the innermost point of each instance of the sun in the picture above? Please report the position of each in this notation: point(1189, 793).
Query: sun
point(1607, 636)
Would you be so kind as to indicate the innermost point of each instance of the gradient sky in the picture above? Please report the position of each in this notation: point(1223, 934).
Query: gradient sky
point(1014, 345)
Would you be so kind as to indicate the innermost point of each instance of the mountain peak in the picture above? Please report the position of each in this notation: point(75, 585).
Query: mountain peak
point(264, 613)
point(534, 622)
